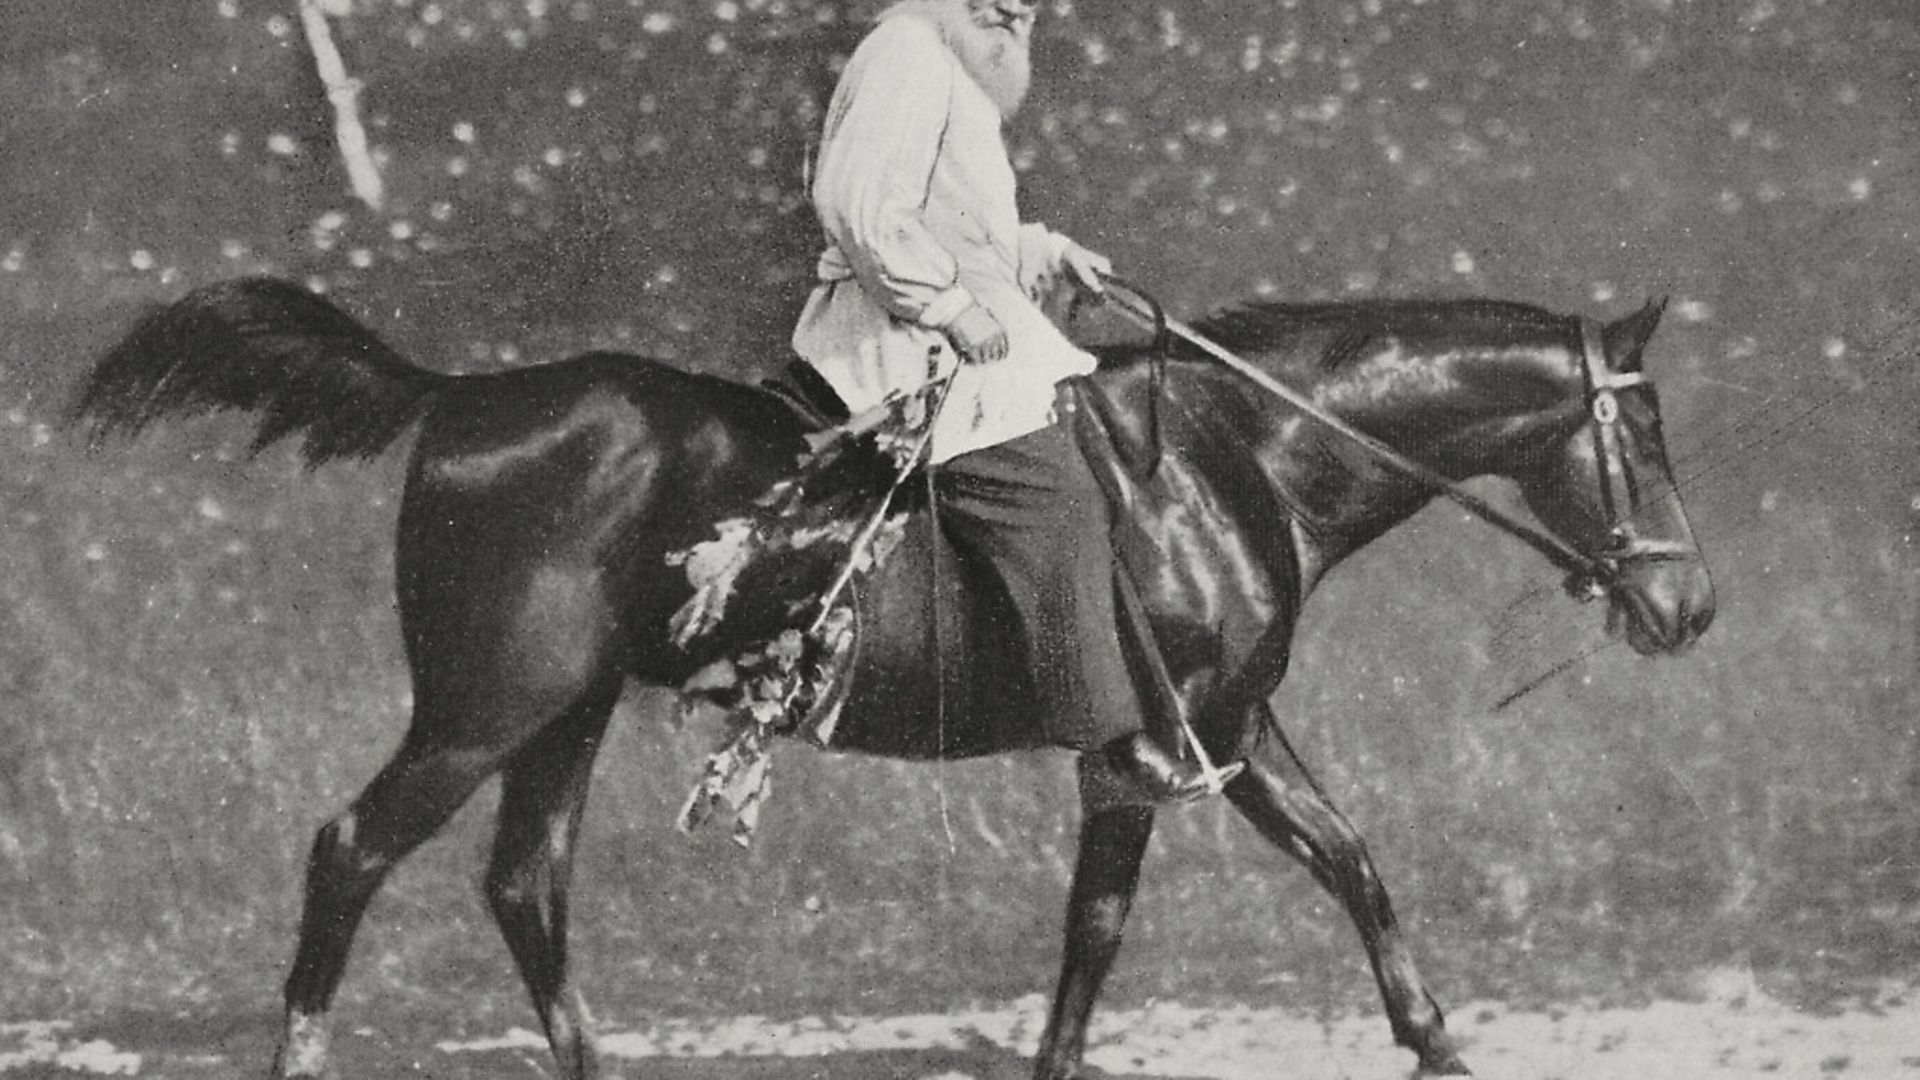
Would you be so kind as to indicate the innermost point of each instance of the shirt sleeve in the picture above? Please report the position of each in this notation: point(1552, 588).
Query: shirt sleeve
point(884, 131)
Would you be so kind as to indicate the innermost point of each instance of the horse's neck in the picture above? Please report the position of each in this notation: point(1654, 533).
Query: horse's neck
point(1461, 410)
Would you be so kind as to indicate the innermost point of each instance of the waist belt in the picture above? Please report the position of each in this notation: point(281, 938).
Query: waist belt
point(832, 265)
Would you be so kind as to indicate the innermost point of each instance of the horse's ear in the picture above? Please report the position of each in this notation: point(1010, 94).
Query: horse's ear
point(1627, 337)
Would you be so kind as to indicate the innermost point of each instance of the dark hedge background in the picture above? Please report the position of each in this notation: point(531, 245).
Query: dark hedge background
point(199, 661)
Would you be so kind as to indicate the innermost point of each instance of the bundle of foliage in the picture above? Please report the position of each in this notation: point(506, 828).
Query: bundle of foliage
point(781, 578)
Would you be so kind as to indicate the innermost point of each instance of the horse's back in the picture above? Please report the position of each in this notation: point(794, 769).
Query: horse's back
point(618, 410)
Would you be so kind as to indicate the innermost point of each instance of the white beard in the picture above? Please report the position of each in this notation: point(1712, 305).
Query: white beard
point(998, 58)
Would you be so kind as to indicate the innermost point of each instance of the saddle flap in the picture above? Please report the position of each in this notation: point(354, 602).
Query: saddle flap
point(1110, 435)
point(811, 397)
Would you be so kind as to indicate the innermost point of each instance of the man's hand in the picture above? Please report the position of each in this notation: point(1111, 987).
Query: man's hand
point(1089, 268)
point(977, 336)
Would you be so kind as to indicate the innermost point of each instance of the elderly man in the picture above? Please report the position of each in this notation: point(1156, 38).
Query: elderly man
point(928, 267)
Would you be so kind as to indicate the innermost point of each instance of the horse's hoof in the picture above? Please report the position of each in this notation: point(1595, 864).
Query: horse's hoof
point(1447, 1064)
point(303, 1052)
point(1439, 1056)
point(282, 1070)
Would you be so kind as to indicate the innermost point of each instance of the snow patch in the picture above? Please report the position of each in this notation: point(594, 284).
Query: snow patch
point(46, 1042)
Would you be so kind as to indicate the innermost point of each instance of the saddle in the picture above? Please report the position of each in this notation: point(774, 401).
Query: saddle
point(906, 658)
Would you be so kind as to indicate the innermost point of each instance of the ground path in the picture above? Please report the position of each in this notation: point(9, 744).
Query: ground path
point(1737, 1035)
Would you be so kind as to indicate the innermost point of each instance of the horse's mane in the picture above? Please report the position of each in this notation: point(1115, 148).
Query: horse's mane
point(1351, 323)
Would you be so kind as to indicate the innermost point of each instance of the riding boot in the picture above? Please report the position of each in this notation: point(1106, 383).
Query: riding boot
point(1155, 774)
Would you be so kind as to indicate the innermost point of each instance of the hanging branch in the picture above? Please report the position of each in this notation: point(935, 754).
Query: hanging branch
point(835, 516)
point(344, 91)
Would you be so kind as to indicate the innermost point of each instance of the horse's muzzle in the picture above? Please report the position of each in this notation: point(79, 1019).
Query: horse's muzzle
point(1660, 605)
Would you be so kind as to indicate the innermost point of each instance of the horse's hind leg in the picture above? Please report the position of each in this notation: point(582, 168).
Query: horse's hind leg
point(543, 792)
point(1281, 799)
point(1112, 842)
point(410, 799)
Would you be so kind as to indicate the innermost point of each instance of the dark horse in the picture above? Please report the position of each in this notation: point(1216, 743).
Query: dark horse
point(541, 505)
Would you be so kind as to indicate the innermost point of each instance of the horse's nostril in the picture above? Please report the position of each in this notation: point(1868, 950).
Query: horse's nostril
point(1700, 619)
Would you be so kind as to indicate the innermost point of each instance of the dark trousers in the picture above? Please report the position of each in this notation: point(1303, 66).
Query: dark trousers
point(1032, 515)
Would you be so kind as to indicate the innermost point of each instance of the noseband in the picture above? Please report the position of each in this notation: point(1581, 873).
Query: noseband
point(1589, 576)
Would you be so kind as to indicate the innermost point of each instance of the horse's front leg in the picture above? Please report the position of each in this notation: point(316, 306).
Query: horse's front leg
point(1112, 841)
point(1281, 799)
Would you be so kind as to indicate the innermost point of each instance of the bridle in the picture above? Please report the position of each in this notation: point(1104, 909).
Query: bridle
point(1616, 481)
point(1588, 575)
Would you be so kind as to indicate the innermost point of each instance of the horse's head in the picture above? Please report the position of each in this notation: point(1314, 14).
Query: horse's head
point(1607, 490)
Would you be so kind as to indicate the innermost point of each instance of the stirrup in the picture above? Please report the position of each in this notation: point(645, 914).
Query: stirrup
point(1213, 780)
point(1215, 777)
point(1218, 778)
point(1148, 771)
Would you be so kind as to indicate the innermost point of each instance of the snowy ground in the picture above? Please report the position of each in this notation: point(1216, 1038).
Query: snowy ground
point(1739, 1033)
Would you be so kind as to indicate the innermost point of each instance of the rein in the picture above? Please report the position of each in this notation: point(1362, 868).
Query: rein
point(1587, 576)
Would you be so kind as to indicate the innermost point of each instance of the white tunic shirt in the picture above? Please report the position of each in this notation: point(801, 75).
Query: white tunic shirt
point(917, 197)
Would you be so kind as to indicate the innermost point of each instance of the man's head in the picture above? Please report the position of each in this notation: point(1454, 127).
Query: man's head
point(992, 39)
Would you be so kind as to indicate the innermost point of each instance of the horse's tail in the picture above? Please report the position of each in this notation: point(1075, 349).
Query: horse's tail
point(264, 346)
